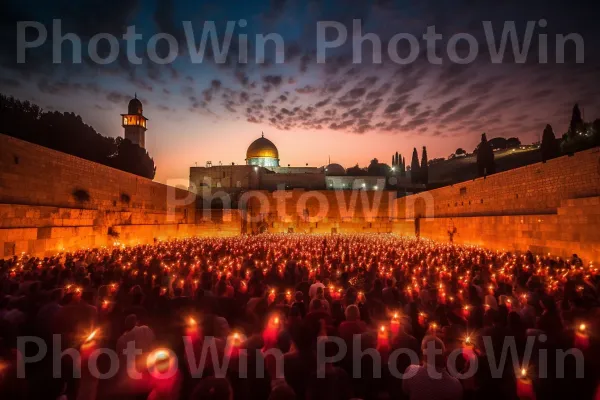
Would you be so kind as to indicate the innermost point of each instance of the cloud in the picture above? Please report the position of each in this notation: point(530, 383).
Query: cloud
point(274, 80)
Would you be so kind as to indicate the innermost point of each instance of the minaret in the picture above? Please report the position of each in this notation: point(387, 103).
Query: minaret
point(134, 123)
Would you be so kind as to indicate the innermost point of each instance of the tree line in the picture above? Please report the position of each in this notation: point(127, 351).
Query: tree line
point(66, 132)
point(581, 135)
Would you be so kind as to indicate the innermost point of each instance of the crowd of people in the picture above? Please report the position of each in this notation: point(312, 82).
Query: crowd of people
point(291, 293)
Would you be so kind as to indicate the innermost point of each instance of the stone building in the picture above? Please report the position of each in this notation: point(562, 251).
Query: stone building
point(263, 171)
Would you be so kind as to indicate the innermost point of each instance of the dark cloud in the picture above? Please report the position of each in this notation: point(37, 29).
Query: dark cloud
point(447, 107)
point(357, 92)
point(118, 98)
point(396, 105)
point(274, 80)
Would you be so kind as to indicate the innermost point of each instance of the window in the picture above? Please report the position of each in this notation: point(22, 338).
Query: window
point(463, 191)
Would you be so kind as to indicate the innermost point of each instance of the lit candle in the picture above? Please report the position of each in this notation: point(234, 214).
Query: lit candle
point(191, 329)
point(361, 297)
point(288, 295)
point(271, 296)
point(422, 318)
point(395, 325)
point(468, 352)
point(271, 332)
point(582, 338)
point(433, 327)
point(159, 363)
point(382, 338)
point(524, 386)
point(234, 344)
point(89, 345)
point(466, 311)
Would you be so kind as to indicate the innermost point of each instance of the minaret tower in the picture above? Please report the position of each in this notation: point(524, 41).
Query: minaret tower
point(134, 123)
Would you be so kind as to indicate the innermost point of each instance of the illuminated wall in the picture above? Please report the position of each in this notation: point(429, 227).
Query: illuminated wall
point(545, 207)
point(51, 201)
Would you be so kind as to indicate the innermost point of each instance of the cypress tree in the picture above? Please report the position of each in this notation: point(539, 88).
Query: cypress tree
point(415, 170)
point(549, 147)
point(424, 167)
point(485, 158)
point(403, 167)
point(576, 121)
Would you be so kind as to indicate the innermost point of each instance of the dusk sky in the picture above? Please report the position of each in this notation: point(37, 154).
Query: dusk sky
point(351, 112)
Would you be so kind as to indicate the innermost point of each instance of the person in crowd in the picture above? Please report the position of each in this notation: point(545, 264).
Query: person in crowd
point(431, 380)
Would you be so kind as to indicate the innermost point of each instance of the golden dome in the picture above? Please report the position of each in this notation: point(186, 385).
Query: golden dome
point(262, 148)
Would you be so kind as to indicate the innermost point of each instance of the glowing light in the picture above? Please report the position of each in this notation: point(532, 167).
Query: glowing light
point(91, 336)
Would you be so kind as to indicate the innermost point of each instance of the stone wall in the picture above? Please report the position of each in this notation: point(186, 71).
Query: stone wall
point(533, 189)
point(573, 230)
point(551, 207)
point(51, 201)
point(319, 211)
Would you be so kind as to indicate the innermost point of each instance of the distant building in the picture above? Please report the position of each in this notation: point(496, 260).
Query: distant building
point(263, 172)
point(134, 123)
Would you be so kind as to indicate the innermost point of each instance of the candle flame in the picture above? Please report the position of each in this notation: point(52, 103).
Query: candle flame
point(523, 372)
point(582, 327)
point(382, 328)
point(192, 321)
point(158, 356)
point(91, 336)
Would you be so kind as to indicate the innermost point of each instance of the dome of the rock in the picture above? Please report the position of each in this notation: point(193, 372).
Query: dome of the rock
point(262, 152)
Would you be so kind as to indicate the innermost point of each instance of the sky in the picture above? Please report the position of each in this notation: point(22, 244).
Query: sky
point(338, 107)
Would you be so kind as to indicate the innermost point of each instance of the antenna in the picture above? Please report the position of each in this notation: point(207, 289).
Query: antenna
point(263, 134)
